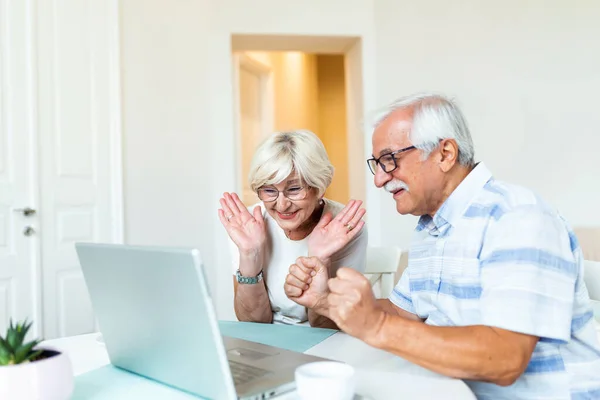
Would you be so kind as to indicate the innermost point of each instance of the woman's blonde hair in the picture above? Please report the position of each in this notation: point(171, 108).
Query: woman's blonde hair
point(285, 152)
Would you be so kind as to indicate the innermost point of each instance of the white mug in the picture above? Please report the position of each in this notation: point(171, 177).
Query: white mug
point(325, 380)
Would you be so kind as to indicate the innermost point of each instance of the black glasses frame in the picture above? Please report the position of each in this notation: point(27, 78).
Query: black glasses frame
point(373, 162)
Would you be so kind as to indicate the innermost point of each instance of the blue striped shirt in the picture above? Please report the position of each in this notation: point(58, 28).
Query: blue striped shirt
point(496, 254)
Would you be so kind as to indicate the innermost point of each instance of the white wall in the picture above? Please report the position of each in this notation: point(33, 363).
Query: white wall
point(527, 75)
point(169, 145)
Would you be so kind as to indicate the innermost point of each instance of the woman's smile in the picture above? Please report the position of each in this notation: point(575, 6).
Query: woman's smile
point(287, 215)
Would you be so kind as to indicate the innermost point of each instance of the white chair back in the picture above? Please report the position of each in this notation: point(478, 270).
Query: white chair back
point(382, 265)
point(591, 277)
point(589, 240)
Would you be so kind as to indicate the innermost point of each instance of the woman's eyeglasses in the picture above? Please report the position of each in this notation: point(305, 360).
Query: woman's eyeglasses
point(294, 193)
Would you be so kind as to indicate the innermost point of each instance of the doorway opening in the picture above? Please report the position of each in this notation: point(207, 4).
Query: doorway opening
point(293, 82)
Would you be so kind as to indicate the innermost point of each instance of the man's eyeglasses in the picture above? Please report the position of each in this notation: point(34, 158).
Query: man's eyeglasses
point(294, 193)
point(387, 161)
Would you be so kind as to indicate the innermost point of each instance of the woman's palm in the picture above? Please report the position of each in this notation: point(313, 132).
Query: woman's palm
point(248, 231)
point(327, 240)
point(248, 234)
point(332, 234)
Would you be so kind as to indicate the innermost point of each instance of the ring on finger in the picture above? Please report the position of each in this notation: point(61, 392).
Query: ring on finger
point(349, 226)
point(229, 217)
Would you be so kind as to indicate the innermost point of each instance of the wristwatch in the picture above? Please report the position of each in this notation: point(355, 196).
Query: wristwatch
point(250, 280)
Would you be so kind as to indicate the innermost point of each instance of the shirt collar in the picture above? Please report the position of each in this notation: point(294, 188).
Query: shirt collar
point(459, 200)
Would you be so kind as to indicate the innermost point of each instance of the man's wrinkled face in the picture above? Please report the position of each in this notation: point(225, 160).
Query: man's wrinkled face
point(407, 182)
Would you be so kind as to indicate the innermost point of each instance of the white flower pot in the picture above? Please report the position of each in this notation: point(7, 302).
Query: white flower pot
point(47, 379)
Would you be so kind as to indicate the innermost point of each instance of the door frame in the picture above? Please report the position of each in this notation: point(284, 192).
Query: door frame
point(241, 60)
point(358, 51)
point(355, 49)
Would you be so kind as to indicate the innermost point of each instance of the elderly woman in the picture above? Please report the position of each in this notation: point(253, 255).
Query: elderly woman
point(290, 172)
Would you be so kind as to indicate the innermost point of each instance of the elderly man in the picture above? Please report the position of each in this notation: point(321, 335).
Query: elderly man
point(493, 293)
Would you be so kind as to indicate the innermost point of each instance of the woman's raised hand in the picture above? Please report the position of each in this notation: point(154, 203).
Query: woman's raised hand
point(247, 230)
point(332, 234)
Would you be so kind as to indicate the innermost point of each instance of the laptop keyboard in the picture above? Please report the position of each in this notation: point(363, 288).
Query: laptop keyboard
point(243, 373)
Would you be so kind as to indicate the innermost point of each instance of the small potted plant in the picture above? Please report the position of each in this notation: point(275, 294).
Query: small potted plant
point(28, 372)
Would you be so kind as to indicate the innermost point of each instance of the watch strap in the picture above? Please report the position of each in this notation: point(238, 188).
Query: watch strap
point(248, 280)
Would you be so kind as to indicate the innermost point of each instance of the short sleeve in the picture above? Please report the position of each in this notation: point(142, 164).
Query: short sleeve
point(353, 255)
point(400, 296)
point(528, 274)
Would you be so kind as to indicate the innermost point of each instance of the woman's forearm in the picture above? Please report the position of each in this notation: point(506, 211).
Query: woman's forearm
point(318, 316)
point(251, 301)
point(320, 321)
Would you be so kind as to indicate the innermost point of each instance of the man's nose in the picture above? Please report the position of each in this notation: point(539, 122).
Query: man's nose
point(381, 177)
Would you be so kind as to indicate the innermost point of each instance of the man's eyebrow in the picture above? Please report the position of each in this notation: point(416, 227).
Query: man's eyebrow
point(385, 151)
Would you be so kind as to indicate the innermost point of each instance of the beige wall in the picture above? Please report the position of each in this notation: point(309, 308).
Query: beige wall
point(295, 98)
point(296, 91)
point(332, 121)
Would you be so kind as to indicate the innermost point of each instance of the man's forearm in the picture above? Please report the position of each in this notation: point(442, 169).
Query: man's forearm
point(387, 306)
point(319, 316)
point(469, 352)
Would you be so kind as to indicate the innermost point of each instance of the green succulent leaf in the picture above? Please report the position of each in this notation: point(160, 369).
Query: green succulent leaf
point(12, 337)
point(12, 349)
point(5, 349)
point(33, 356)
point(21, 333)
point(5, 353)
point(23, 353)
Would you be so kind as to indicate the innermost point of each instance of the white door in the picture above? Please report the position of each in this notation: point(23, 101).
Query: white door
point(77, 108)
point(255, 115)
point(19, 278)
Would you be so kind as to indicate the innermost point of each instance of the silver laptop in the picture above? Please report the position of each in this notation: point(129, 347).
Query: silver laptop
point(157, 320)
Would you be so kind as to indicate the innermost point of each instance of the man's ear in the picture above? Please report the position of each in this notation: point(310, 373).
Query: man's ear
point(448, 151)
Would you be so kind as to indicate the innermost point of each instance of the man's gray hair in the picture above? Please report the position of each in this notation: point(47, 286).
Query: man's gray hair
point(435, 117)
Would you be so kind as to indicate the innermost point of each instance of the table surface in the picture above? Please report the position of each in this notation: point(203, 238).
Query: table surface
point(379, 375)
